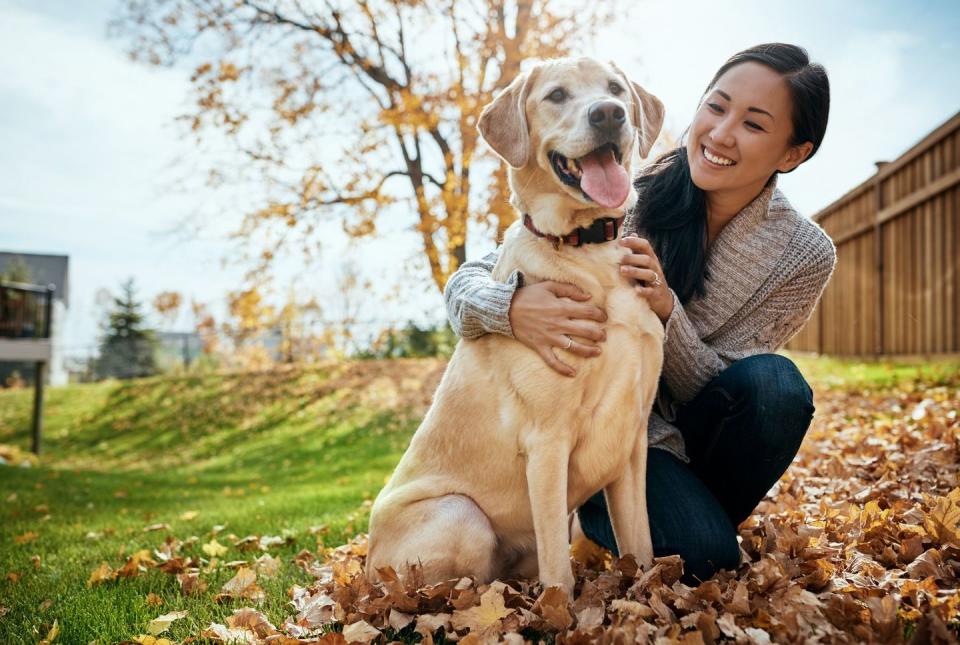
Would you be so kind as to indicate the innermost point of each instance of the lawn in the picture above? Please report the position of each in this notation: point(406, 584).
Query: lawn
point(294, 457)
point(295, 454)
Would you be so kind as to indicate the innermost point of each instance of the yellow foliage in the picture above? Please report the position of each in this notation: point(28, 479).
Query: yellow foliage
point(387, 114)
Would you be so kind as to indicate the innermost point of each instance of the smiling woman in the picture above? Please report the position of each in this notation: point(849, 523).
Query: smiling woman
point(733, 272)
point(764, 112)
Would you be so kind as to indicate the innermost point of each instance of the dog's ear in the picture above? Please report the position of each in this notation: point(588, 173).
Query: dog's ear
point(503, 122)
point(647, 113)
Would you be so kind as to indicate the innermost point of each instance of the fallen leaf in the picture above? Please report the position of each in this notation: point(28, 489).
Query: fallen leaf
point(146, 639)
point(224, 634)
point(267, 565)
point(29, 536)
point(253, 620)
point(360, 632)
point(191, 584)
point(162, 623)
point(242, 585)
point(156, 527)
point(214, 549)
point(486, 616)
point(51, 634)
point(552, 606)
point(101, 574)
point(943, 521)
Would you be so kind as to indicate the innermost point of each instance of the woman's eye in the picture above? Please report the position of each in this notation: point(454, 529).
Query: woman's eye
point(557, 95)
point(616, 89)
point(754, 126)
point(715, 108)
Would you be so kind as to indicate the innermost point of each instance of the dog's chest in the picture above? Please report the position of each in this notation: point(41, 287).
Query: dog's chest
point(607, 425)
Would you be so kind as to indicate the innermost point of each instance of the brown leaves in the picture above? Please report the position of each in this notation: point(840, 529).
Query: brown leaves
point(100, 574)
point(552, 606)
point(855, 543)
point(484, 618)
point(943, 521)
point(242, 585)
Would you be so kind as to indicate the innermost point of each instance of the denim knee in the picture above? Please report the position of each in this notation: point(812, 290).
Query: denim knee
point(773, 387)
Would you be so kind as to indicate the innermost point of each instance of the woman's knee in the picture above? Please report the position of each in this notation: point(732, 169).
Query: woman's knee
point(773, 380)
point(773, 387)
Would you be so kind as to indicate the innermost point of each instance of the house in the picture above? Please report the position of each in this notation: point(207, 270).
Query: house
point(42, 270)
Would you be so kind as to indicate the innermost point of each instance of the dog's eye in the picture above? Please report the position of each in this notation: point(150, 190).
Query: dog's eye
point(557, 95)
point(615, 88)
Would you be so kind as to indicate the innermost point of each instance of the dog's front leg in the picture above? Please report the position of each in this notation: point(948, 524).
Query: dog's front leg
point(547, 463)
point(627, 505)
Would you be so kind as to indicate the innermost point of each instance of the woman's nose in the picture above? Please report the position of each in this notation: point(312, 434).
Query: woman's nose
point(722, 133)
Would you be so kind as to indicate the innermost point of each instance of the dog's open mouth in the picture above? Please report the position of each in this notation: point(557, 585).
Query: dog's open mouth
point(599, 175)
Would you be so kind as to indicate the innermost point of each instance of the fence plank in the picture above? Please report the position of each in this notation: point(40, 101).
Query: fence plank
point(896, 289)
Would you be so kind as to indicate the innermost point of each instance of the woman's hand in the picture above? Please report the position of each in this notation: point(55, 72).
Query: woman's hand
point(642, 265)
point(544, 316)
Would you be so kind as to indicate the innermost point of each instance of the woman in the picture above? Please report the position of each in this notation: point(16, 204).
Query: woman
point(733, 272)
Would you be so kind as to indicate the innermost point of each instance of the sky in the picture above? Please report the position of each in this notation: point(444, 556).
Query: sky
point(90, 149)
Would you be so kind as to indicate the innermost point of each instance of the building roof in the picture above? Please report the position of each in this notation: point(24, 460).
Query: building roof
point(44, 270)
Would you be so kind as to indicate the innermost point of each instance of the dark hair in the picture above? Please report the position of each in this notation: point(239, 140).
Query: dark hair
point(672, 210)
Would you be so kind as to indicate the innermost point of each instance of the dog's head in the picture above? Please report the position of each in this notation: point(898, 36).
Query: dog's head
point(569, 126)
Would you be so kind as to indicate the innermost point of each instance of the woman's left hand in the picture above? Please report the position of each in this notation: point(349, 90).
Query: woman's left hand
point(642, 265)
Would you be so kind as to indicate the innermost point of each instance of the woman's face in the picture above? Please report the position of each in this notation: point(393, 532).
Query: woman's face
point(741, 133)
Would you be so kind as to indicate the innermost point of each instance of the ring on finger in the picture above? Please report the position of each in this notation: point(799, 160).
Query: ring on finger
point(569, 343)
point(656, 280)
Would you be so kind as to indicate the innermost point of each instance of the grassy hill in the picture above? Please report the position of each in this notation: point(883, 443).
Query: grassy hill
point(293, 453)
point(296, 453)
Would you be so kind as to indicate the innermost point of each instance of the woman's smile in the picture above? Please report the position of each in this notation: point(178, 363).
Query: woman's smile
point(714, 159)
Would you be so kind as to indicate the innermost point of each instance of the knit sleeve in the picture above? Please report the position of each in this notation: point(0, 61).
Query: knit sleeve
point(689, 363)
point(476, 303)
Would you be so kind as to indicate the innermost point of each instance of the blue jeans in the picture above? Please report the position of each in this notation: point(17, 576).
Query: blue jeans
point(741, 432)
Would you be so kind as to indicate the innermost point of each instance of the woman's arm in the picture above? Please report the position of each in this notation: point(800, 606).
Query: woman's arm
point(542, 316)
point(476, 303)
point(689, 363)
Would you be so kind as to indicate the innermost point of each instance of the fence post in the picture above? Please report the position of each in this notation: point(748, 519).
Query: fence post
point(878, 254)
point(37, 407)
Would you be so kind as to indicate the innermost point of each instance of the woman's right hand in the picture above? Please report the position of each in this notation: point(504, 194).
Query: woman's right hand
point(545, 315)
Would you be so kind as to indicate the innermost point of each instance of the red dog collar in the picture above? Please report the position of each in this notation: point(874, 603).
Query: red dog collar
point(600, 230)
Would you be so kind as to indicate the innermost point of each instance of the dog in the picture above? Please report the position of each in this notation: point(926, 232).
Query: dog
point(509, 448)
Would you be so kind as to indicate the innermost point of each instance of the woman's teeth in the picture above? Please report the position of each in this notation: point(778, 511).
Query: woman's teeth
point(720, 161)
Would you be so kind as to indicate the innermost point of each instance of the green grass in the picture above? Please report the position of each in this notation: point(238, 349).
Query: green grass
point(258, 454)
point(847, 374)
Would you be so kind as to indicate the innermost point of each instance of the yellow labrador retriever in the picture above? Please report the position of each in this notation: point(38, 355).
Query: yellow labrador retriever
point(509, 448)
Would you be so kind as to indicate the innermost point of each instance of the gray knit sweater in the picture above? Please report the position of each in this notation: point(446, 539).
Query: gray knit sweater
point(767, 269)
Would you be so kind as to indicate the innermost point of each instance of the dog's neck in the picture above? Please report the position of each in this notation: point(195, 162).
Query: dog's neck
point(605, 229)
point(553, 214)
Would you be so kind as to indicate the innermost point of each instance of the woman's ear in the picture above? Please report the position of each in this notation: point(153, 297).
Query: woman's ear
point(503, 122)
point(795, 156)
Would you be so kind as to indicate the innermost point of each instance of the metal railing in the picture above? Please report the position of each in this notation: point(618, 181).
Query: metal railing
point(25, 310)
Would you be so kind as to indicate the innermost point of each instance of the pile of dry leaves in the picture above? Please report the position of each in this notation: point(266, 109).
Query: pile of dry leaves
point(858, 542)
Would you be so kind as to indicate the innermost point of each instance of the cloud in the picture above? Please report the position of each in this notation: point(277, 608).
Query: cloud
point(76, 78)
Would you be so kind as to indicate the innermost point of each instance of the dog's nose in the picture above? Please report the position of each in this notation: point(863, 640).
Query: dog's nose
point(607, 116)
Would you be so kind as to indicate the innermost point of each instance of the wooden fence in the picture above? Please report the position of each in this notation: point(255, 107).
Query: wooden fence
point(896, 288)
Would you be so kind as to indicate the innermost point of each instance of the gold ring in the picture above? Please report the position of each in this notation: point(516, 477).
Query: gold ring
point(656, 281)
point(569, 343)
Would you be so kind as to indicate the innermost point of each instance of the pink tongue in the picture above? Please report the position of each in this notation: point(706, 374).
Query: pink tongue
point(603, 179)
